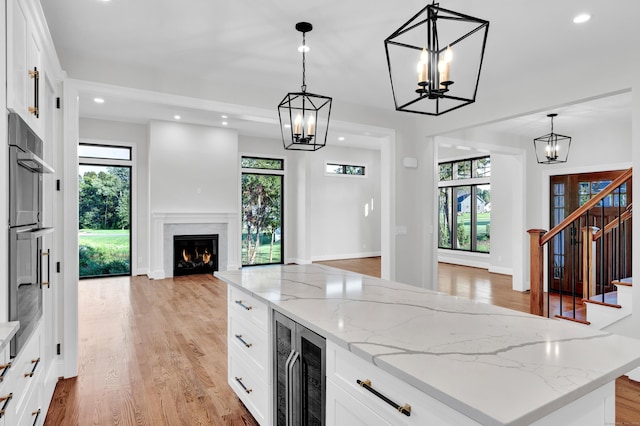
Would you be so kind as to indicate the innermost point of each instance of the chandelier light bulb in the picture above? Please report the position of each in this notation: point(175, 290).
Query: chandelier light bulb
point(423, 66)
point(297, 125)
point(311, 126)
point(448, 55)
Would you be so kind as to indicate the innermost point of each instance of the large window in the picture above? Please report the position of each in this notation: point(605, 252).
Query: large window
point(464, 205)
point(262, 207)
point(104, 210)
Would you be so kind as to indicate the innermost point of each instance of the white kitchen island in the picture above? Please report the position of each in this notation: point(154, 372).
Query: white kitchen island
point(454, 361)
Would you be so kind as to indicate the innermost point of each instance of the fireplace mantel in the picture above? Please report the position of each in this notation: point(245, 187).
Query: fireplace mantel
point(166, 224)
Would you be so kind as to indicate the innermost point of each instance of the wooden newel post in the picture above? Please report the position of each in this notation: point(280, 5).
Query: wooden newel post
point(536, 269)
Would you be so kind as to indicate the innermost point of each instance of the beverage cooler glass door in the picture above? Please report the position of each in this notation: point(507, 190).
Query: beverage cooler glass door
point(299, 374)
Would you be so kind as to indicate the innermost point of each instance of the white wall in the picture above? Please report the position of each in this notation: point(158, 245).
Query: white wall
point(192, 168)
point(339, 226)
point(324, 215)
point(137, 135)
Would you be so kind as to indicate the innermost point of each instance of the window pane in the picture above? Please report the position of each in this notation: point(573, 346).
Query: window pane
point(106, 152)
point(334, 169)
point(463, 217)
point(261, 219)
point(483, 218)
point(444, 218)
point(483, 167)
point(446, 171)
point(463, 169)
point(354, 170)
point(262, 163)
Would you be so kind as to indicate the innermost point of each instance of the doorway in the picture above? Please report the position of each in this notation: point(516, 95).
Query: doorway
point(569, 192)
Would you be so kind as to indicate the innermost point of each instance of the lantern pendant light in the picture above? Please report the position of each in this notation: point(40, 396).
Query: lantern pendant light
point(304, 117)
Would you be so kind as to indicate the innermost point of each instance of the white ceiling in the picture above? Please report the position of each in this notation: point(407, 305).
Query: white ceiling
point(245, 46)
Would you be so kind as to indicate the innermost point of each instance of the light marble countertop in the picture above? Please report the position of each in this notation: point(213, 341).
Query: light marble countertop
point(7, 331)
point(495, 365)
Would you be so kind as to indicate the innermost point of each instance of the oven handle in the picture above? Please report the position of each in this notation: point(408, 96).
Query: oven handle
point(33, 233)
point(48, 255)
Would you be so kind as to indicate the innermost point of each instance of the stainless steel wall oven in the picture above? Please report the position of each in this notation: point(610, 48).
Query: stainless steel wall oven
point(26, 266)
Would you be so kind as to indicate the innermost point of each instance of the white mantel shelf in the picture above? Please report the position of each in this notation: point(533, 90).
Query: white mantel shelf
point(495, 365)
point(160, 219)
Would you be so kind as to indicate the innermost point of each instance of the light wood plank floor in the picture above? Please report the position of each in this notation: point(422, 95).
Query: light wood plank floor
point(154, 352)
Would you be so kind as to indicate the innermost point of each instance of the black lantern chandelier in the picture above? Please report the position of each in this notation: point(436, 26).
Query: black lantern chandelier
point(552, 148)
point(304, 117)
point(448, 48)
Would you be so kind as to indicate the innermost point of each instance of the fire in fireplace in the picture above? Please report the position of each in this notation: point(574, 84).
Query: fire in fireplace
point(195, 254)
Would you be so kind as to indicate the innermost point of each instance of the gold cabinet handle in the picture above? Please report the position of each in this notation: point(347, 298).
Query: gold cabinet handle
point(35, 363)
point(404, 409)
point(4, 368)
point(244, 342)
point(35, 75)
point(6, 400)
point(248, 308)
point(247, 390)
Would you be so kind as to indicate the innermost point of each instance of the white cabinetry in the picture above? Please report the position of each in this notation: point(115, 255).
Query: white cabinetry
point(249, 353)
point(383, 400)
point(20, 389)
point(24, 65)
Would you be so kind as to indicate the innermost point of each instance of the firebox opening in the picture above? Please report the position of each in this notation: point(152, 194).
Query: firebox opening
point(195, 254)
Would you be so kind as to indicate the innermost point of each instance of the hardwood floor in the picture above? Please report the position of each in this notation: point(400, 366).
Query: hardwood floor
point(150, 353)
point(155, 352)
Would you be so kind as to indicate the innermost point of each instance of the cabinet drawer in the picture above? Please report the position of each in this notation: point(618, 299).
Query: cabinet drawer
point(25, 371)
point(22, 379)
point(346, 369)
point(344, 409)
point(249, 385)
point(248, 307)
point(32, 414)
point(251, 341)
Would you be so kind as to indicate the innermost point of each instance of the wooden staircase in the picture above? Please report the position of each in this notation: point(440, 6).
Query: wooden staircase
point(603, 311)
point(599, 295)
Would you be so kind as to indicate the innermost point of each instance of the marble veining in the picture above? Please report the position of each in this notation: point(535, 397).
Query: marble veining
point(496, 365)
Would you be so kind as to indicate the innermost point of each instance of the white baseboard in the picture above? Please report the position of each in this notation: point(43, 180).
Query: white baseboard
point(500, 270)
point(345, 256)
point(297, 261)
point(464, 262)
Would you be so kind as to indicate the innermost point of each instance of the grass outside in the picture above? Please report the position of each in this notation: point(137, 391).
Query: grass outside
point(483, 230)
point(262, 257)
point(104, 252)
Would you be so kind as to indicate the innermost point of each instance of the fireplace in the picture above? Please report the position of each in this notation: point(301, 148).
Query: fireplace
point(195, 254)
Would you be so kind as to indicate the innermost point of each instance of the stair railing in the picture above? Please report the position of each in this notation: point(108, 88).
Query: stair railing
point(592, 244)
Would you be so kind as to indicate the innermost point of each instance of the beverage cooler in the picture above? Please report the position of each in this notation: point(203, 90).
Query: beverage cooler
point(299, 374)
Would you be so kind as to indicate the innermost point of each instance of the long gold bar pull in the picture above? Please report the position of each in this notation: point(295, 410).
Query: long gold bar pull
point(403, 409)
point(35, 75)
point(47, 254)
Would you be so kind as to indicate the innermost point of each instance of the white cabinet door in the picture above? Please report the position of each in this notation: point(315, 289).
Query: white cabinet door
point(344, 409)
point(24, 66)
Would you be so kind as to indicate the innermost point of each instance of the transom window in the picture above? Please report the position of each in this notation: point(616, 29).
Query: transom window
point(344, 169)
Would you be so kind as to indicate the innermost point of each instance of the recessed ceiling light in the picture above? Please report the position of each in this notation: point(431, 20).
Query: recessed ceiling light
point(223, 116)
point(583, 17)
point(98, 100)
point(341, 138)
point(287, 126)
point(177, 117)
point(304, 49)
point(224, 123)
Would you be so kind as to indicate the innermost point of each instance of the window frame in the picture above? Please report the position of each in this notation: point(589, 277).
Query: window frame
point(344, 165)
point(473, 182)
